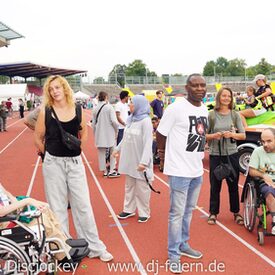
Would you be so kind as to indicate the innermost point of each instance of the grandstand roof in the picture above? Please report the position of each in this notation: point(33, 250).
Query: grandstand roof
point(28, 69)
point(7, 34)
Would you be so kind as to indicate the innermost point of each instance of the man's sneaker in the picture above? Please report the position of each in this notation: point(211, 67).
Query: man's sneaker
point(105, 173)
point(273, 228)
point(175, 266)
point(106, 256)
point(114, 175)
point(191, 253)
point(143, 219)
point(125, 215)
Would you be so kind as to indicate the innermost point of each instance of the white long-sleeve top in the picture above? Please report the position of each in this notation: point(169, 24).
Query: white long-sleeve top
point(105, 130)
point(136, 148)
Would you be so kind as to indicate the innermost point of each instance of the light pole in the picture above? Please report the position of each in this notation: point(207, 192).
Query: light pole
point(115, 76)
point(214, 73)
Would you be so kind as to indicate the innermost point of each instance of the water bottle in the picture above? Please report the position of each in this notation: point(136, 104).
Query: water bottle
point(233, 130)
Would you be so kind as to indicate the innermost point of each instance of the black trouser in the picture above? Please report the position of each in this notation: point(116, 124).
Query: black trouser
point(215, 185)
point(120, 136)
point(21, 110)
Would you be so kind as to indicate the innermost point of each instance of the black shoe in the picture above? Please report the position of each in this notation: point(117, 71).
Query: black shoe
point(124, 215)
point(143, 219)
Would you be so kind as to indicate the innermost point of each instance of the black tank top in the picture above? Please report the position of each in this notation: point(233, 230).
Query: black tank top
point(260, 91)
point(53, 139)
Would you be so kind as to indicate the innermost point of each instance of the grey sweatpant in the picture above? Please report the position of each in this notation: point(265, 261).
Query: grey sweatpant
point(137, 196)
point(65, 179)
point(102, 158)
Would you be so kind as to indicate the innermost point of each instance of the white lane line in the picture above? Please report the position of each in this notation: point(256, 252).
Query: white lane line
point(160, 179)
point(33, 177)
point(14, 123)
point(249, 246)
point(13, 140)
point(120, 228)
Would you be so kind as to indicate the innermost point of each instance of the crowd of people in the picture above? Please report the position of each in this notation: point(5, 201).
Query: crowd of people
point(6, 111)
point(174, 138)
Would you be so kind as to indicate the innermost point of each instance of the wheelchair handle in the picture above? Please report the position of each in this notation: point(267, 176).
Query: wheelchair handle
point(31, 213)
point(8, 218)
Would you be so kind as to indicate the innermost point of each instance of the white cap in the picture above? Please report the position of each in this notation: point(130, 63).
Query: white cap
point(259, 77)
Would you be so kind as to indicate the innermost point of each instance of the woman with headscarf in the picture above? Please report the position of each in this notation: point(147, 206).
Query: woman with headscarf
point(135, 158)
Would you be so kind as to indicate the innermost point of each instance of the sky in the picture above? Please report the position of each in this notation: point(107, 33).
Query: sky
point(172, 36)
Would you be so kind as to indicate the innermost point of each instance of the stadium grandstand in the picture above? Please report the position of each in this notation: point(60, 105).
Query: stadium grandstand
point(94, 89)
point(173, 85)
point(35, 74)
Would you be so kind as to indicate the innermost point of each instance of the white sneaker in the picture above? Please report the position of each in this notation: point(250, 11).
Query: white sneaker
point(113, 174)
point(106, 256)
point(105, 173)
point(273, 230)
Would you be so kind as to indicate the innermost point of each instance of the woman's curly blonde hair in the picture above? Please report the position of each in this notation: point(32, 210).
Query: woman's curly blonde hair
point(48, 101)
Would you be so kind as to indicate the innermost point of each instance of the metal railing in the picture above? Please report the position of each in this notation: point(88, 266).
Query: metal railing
point(172, 80)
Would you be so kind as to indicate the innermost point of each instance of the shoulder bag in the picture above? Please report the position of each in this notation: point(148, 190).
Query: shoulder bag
point(96, 119)
point(224, 170)
point(69, 140)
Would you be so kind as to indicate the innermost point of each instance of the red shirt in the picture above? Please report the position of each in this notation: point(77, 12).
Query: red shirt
point(9, 104)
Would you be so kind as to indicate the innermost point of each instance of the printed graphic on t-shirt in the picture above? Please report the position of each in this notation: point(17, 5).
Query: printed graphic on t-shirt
point(268, 169)
point(196, 137)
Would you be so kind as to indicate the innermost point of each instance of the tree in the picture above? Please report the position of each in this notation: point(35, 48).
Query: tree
point(118, 74)
point(136, 68)
point(224, 67)
point(236, 67)
point(250, 72)
point(221, 66)
point(263, 67)
point(151, 73)
point(99, 80)
point(4, 79)
point(209, 68)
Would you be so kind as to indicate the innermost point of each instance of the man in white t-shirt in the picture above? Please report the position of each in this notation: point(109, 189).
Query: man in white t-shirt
point(122, 109)
point(181, 135)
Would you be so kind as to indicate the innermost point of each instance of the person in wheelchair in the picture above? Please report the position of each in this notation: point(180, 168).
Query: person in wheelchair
point(77, 249)
point(262, 165)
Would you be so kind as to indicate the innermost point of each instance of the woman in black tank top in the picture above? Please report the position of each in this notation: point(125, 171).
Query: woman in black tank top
point(63, 169)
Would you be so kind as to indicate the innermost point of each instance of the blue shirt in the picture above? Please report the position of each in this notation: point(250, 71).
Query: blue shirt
point(157, 106)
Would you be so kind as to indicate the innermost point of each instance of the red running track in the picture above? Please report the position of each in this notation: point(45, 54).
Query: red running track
point(227, 247)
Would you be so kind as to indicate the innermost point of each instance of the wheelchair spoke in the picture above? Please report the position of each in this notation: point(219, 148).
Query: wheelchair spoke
point(13, 258)
point(250, 207)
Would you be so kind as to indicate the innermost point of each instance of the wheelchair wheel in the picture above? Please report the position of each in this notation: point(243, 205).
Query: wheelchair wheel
point(13, 259)
point(250, 207)
point(261, 237)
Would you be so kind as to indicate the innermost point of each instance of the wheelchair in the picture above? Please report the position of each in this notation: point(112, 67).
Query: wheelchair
point(255, 208)
point(26, 249)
